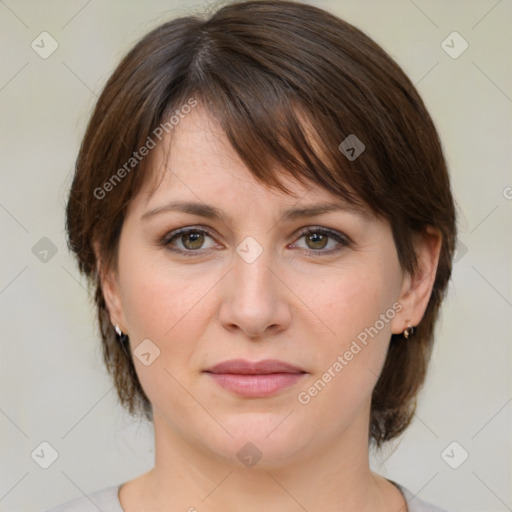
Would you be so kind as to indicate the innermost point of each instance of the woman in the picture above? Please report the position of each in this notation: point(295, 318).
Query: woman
point(262, 204)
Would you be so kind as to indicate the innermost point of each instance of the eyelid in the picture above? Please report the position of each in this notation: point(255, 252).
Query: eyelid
point(185, 229)
point(165, 241)
point(337, 235)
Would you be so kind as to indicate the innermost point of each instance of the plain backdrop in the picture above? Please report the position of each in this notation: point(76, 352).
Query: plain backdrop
point(54, 387)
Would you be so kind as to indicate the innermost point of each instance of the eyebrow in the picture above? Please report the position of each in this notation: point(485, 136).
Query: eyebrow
point(211, 212)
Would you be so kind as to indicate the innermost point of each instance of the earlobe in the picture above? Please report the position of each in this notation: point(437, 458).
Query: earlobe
point(417, 289)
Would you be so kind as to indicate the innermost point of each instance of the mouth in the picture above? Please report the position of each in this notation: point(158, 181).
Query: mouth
point(255, 379)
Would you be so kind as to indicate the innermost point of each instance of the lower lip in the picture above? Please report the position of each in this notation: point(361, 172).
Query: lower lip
point(256, 386)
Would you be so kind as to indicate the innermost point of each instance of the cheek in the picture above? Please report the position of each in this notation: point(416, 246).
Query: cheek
point(349, 300)
point(171, 309)
point(355, 306)
point(163, 302)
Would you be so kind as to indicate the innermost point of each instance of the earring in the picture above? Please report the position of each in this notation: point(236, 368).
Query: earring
point(123, 338)
point(408, 332)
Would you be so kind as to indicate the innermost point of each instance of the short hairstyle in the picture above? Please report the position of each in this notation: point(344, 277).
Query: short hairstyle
point(265, 71)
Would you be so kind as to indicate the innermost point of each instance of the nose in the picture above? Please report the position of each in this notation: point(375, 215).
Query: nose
point(255, 300)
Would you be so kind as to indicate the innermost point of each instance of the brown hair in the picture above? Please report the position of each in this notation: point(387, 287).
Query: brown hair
point(265, 69)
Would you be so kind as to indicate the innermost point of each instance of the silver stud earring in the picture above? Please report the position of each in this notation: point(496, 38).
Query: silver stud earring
point(121, 336)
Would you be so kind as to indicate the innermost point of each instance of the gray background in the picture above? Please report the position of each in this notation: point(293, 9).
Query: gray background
point(53, 385)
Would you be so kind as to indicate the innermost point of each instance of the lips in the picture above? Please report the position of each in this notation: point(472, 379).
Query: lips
point(255, 379)
point(265, 367)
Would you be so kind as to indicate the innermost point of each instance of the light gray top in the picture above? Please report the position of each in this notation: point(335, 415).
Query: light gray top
point(107, 500)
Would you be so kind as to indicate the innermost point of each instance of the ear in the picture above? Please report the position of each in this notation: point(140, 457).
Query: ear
point(416, 289)
point(111, 292)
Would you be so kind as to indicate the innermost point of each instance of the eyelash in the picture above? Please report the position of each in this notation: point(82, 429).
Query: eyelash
point(343, 241)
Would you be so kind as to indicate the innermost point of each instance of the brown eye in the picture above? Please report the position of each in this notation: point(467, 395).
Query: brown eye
point(316, 240)
point(321, 241)
point(192, 240)
point(189, 241)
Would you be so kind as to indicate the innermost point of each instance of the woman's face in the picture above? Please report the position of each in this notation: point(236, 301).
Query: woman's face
point(261, 280)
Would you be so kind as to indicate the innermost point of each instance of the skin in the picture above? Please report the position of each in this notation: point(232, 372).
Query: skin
point(305, 309)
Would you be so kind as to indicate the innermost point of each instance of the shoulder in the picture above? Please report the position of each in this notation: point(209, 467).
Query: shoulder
point(415, 504)
point(106, 500)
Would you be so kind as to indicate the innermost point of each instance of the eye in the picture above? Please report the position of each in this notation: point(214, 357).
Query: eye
point(192, 241)
point(188, 240)
point(322, 241)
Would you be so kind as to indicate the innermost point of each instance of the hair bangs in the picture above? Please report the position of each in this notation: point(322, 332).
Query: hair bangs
point(275, 135)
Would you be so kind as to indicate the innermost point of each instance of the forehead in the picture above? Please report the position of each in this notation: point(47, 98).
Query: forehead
point(195, 161)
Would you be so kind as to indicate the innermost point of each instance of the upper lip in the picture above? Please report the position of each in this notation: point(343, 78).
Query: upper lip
point(267, 366)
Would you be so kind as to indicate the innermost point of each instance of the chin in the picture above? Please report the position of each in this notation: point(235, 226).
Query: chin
point(260, 440)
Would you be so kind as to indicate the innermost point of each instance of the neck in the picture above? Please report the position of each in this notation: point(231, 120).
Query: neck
point(329, 478)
